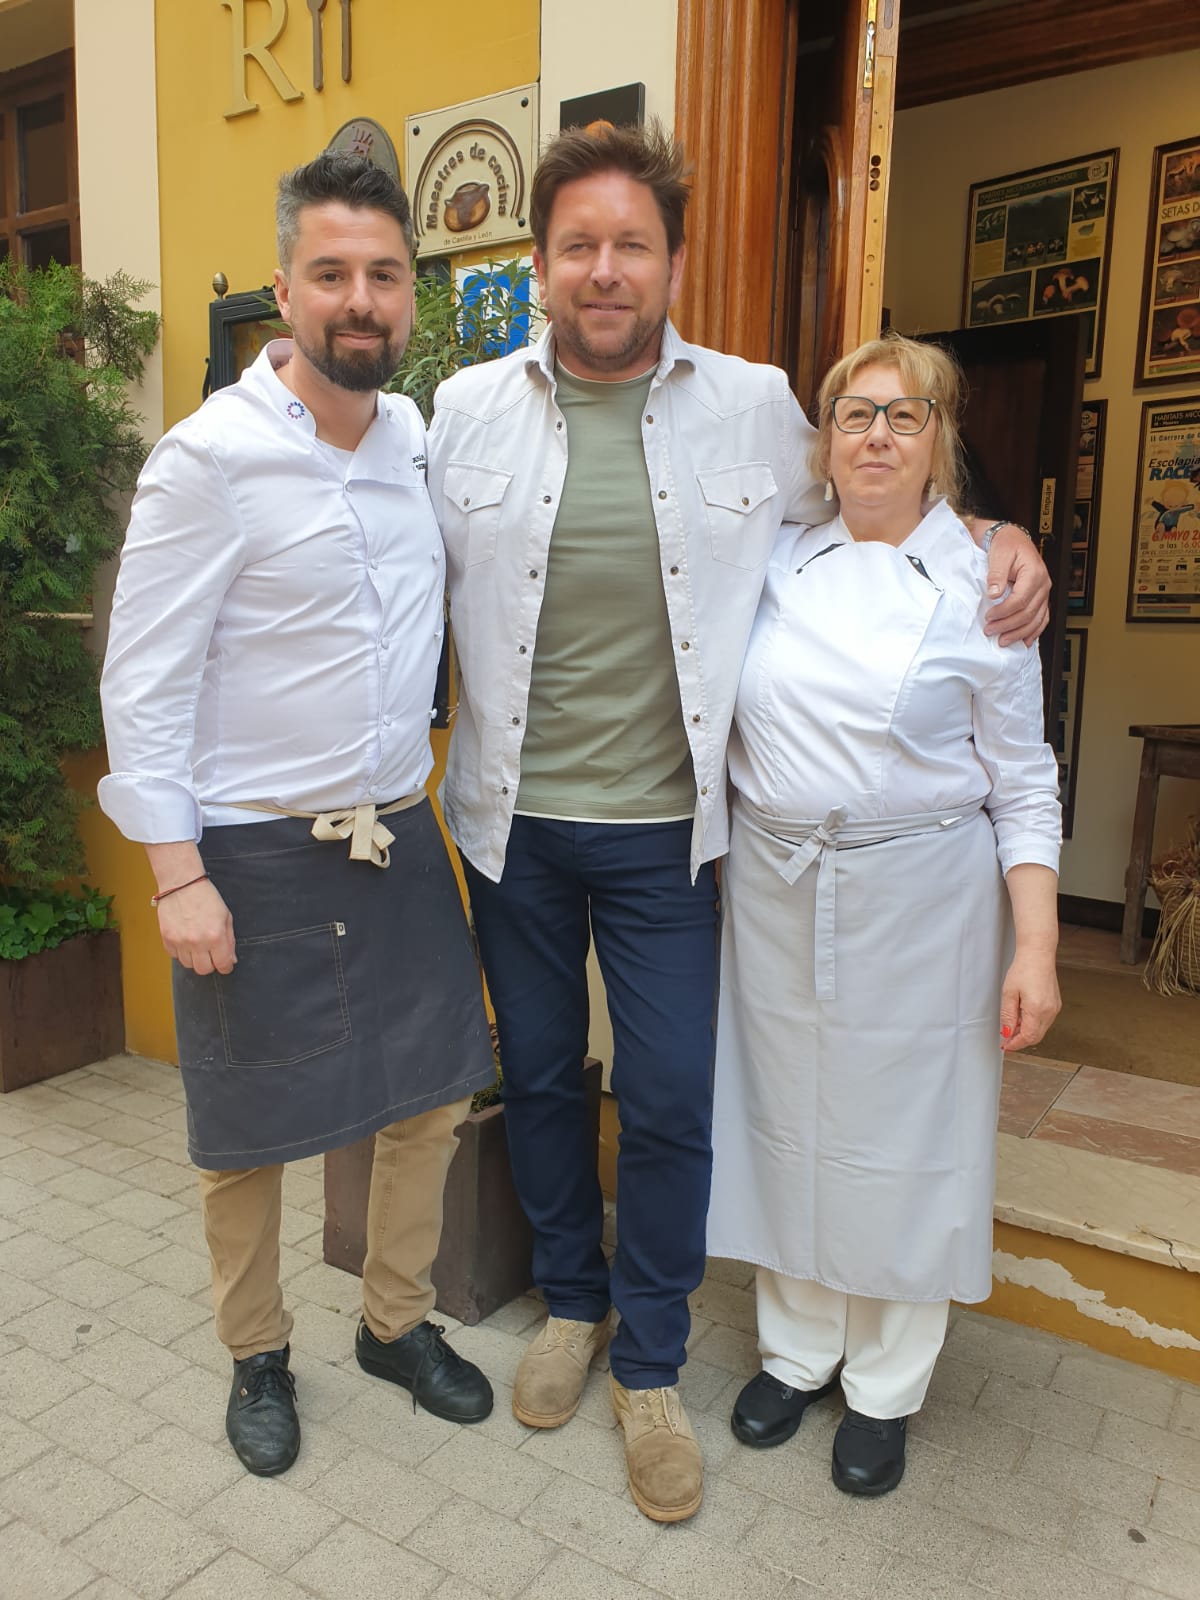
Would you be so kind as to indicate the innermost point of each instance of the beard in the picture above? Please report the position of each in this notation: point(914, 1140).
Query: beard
point(356, 370)
point(642, 335)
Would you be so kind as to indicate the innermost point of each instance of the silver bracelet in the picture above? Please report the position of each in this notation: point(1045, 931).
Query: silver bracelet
point(985, 544)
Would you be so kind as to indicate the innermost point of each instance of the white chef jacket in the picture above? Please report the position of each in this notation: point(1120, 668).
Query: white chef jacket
point(278, 617)
point(726, 447)
point(965, 727)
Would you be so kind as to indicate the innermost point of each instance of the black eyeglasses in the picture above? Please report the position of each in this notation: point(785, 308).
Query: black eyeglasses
point(853, 413)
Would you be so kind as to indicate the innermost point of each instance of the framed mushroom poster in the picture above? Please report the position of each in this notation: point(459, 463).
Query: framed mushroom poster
point(1169, 340)
point(1038, 245)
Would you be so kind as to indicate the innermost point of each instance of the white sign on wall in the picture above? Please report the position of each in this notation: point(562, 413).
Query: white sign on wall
point(468, 170)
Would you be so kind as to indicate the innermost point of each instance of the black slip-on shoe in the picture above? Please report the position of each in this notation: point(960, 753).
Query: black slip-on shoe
point(768, 1412)
point(868, 1453)
point(422, 1362)
point(261, 1419)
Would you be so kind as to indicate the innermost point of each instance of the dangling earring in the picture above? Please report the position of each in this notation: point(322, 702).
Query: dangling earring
point(828, 490)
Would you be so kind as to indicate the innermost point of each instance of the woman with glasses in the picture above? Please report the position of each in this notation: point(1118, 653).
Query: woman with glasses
point(892, 779)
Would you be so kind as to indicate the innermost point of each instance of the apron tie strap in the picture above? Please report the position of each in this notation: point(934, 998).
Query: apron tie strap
point(823, 835)
point(820, 842)
point(369, 839)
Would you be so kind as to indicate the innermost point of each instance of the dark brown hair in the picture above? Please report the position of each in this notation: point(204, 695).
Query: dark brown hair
point(338, 175)
point(648, 155)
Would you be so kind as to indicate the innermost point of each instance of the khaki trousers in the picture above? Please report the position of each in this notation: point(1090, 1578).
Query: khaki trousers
point(404, 1227)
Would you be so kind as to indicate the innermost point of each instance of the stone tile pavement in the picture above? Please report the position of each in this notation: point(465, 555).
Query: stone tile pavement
point(1037, 1469)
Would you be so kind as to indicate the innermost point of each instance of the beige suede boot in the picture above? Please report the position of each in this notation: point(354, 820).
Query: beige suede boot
point(662, 1455)
point(554, 1369)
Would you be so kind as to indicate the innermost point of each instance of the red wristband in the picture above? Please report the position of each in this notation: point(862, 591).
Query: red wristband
point(163, 894)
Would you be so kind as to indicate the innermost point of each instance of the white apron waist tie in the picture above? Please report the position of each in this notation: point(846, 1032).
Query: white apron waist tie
point(819, 842)
point(369, 839)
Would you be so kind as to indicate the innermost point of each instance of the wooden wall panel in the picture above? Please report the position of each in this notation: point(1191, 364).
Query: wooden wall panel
point(942, 58)
point(733, 115)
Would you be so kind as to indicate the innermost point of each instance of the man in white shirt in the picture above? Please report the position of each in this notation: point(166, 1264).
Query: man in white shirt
point(586, 782)
point(267, 690)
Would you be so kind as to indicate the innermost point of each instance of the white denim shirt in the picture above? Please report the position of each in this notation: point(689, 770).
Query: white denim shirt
point(726, 447)
point(278, 617)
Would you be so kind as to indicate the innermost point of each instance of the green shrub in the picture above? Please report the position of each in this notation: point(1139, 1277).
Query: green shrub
point(31, 922)
point(447, 335)
point(70, 446)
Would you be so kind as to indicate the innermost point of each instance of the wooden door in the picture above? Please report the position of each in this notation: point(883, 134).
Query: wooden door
point(1020, 434)
point(785, 108)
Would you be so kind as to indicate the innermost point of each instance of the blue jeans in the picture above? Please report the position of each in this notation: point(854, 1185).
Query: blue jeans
point(628, 887)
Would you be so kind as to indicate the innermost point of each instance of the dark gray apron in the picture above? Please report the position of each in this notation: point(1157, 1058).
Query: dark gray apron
point(355, 1001)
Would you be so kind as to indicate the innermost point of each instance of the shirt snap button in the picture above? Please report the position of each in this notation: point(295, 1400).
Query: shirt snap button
point(545, 499)
point(674, 572)
point(704, 789)
point(516, 722)
point(533, 572)
point(696, 717)
point(745, 499)
point(520, 649)
point(649, 419)
point(466, 499)
point(662, 494)
point(685, 645)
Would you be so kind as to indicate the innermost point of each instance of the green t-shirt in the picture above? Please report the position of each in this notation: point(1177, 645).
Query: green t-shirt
point(604, 736)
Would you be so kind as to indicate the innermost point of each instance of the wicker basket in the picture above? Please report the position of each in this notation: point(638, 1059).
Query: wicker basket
point(1174, 964)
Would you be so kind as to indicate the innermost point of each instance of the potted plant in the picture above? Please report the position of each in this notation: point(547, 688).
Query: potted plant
point(70, 446)
point(485, 1255)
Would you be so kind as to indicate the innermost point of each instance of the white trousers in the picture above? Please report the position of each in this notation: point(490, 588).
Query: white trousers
point(889, 1347)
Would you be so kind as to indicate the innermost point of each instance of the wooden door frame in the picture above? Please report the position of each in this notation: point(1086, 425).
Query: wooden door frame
point(735, 87)
point(733, 114)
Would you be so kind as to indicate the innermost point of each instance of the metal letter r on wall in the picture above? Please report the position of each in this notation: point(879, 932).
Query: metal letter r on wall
point(278, 79)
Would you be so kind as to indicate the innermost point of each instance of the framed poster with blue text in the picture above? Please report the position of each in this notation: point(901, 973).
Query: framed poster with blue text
point(1169, 339)
point(1037, 246)
point(1164, 564)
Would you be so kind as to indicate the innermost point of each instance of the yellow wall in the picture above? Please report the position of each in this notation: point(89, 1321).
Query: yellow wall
point(217, 175)
point(1139, 673)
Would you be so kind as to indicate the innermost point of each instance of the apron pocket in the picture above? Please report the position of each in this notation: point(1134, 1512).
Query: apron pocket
point(285, 1001)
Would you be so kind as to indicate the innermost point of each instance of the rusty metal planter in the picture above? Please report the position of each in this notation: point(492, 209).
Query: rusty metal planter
point(484, 1260)
point(61, 1009)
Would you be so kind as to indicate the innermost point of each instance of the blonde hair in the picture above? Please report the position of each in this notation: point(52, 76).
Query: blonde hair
point(925, 369)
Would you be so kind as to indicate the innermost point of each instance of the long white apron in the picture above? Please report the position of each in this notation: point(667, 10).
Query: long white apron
point(858, 1064)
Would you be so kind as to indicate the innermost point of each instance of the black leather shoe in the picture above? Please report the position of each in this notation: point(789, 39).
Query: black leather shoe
point(421, 1361)
point(768, 1412)
point(261, 1418)
point(868, 1453)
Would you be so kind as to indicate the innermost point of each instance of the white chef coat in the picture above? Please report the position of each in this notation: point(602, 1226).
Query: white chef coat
point(726, 448)
point(841, 726)
point(858, 1063)
point(278, 616)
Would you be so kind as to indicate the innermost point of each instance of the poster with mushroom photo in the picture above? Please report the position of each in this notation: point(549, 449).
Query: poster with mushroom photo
point(1038, 244)
point(1169, 341)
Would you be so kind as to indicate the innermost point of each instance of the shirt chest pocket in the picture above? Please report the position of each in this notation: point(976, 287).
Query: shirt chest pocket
point(741, 530)
point(471, 515)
